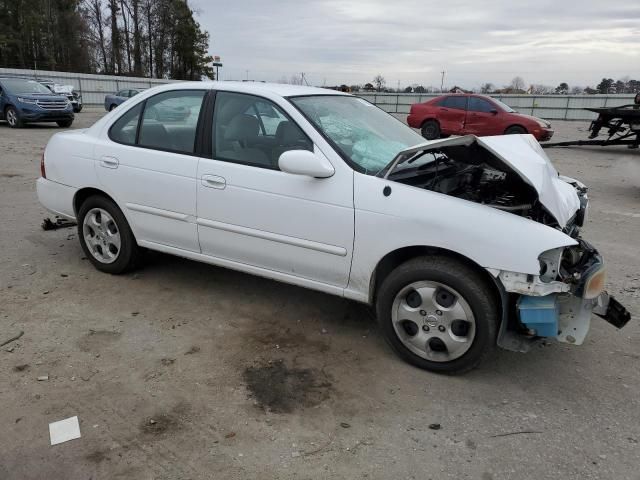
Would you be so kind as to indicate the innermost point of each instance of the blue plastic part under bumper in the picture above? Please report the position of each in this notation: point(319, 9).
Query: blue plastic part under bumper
point(540, 314)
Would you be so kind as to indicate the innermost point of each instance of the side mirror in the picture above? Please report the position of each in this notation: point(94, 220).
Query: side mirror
point(493, 111)
point(304, 162)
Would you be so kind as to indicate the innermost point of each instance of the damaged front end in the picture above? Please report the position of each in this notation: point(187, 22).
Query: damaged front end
point(513, 174)
point(559, 302)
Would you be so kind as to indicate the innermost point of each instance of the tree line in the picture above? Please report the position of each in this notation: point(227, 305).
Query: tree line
point(517, 86)
point(144, 38)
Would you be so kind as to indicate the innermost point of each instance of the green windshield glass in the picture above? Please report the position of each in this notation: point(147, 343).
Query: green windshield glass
point(369, 137)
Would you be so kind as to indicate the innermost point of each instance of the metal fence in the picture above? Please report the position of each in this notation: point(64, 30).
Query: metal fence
point(553, 107)
point(93, 88)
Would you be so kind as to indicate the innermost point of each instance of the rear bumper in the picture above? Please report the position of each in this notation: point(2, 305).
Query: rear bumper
point(56, 197)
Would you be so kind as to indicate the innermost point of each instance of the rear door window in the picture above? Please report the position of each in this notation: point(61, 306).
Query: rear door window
point(170, 121)
point(455, 102)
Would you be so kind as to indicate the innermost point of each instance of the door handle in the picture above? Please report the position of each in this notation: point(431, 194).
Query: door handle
point(442, 109)
point(109, 162)
point(214, 181)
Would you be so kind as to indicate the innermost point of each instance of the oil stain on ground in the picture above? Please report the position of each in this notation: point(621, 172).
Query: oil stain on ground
point(280, 389)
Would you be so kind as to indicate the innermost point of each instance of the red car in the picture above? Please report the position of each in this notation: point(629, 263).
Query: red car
point(461, 114)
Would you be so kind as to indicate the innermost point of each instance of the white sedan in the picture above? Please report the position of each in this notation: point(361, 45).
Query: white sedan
point(460, 244)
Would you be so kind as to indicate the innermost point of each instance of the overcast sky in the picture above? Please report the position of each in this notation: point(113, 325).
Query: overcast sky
point(412, 41)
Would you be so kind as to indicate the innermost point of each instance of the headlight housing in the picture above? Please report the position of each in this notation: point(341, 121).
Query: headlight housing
point(594, 285)
point(27, 100)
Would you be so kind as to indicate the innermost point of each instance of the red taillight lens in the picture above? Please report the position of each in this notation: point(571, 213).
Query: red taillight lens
point(43, 171)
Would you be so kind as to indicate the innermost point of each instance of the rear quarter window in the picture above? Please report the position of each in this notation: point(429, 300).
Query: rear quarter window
point(125, 128)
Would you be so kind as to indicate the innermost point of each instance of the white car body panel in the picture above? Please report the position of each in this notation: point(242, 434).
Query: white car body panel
point(289, 227)
point(413, 216)
point(271, 219)
point(158, 189)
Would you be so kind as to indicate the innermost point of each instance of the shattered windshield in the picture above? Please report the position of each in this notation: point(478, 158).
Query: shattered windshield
point(363, 133)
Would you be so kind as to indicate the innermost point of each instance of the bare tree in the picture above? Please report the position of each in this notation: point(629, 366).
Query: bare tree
point(576, 90)
point(137, 37)
point(116, 53)
point(487, 88)
point(94, 9)
point(126, 16)
point(379, 82)
point(296, 80)
point(517, 83)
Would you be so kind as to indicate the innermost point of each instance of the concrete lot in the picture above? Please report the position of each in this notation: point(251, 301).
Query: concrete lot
point(186, 371)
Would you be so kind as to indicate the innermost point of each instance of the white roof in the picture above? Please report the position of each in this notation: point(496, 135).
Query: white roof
point(280, 89)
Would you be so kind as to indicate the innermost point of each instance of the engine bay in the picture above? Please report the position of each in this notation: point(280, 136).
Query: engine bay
point(472, 173)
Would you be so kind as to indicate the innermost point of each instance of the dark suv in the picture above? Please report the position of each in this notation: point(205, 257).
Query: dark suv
point(25, 101)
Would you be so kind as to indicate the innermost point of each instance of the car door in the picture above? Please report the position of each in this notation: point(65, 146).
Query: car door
point(481, 117)
point(451, 112)
point(251, 213)
point(148, 163)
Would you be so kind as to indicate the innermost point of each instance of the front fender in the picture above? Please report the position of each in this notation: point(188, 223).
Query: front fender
point(411, 216)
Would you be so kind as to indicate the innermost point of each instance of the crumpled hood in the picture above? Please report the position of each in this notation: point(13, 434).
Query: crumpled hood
point(524, 155)
point(68, 89)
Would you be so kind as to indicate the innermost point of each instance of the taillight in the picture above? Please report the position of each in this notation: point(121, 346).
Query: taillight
point(43, 171)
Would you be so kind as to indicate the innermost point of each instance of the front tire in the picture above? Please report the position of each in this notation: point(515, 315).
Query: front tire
point(65, 123)
point(515, 130)
point(438, 314)
point(430, 130)
point(105, 236)
point(12, 117)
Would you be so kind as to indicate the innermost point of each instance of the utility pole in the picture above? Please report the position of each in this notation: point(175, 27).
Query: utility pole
point(303, 79)
point(398, 89)
point(247, 74)
point(442, 81)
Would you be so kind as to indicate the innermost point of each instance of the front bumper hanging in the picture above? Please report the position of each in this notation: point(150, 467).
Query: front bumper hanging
point(612, 311)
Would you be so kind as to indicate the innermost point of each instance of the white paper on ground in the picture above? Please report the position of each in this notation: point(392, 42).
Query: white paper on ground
point(64, 430)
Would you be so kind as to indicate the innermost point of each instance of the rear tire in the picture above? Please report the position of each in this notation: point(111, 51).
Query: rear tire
point(430, 130)
point(12, 118)
point(438, 314)
point(105, 236)
point(65, 123)
point(515, 130)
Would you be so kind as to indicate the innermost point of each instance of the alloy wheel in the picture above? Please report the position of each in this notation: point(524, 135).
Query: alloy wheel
point(102, 236)
point(11, 117)
point(433, 321)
